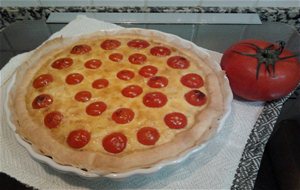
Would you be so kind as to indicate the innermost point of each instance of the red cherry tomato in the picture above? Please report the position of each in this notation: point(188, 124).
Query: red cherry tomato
point(132, 91)
point(42, 101)
point(158, 82)
point(125, 75)
point(81, 49)
point(147, 135)
point(138, 44)
point(74, 78)
point(148, 71)
point(78, 138)
point(42, 80)
point(96, 108)
point(249, 67)
point(160, 51)
point(100, 83)
point(155, 99)
point(93, 64)
point(110, 44)
point(123, 115)
point(83, 96)
point(192, 80)
point(116, 57)
point(62, 63)
point(178, 62)
point(175, 120)
point(195, 97)
point(137, 58)
point(114, 142)
point(53, 119)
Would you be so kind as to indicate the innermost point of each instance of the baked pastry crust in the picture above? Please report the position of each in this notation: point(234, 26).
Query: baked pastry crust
point(206, 120)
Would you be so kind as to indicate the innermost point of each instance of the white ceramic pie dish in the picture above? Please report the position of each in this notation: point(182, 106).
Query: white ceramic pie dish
point(88, 174)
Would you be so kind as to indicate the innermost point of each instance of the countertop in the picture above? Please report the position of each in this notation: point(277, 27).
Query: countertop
point(287, 122)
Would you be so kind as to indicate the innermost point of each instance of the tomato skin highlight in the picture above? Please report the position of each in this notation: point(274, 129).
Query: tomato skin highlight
point(53, 119)
point(178, 62)
point(155, 99)
point(81, 49)
point(148, 136)
point(175, 120)
point(123, 115)
point(137, 58)
point(83, 96)
point(93, 64)
point(132, 91)
point(74, 78)
point(138, 44)
point(241, 72)
point(100, 83)
point(148, 71)
point(78, 138)
point(62, 63)
point(195, 97)
point(42, 80)
point(160, 51)
point(158, 82)
point(125, 75)
point(42, 101)
point(110, 44)
point(115, 142)
point(96, 108)
point(192, 80)
point(116, 57)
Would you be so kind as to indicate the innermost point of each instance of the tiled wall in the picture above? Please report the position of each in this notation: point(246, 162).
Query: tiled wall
point(151, 3)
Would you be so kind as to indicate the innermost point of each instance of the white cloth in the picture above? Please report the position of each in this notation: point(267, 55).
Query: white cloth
point(211, 168)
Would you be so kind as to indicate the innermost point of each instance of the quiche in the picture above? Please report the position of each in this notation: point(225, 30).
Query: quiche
point(115, 101)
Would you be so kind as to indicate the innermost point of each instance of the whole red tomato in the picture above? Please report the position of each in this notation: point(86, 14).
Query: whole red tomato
point(260, 70)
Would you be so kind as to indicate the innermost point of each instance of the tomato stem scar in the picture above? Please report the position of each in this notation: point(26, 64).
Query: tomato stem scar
point(268, 56)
